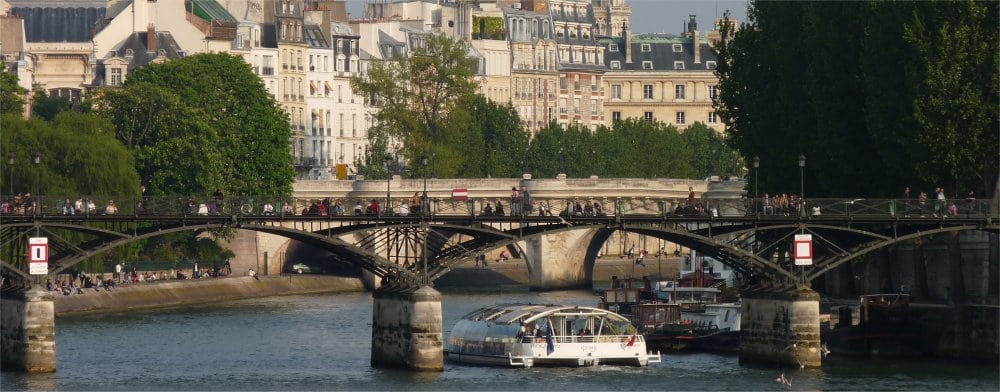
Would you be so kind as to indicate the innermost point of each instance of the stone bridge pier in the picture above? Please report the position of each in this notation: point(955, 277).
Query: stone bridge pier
point(780, 327)
point(28, 327)
point(407, 329)
point(559, 261)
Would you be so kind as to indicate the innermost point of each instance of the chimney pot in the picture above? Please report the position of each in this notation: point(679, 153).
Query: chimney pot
point(151, 38)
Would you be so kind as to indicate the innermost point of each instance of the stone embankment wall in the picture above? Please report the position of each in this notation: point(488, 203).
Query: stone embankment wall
point(188, 292)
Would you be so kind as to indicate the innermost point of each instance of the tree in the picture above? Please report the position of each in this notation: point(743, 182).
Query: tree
point(884, 95)
point(710, 156)
point(11, 93)
point(209, 106)
point(79, 156)
point(415, 96)
point(956, 102)
point(47, 107)
point(493, 142)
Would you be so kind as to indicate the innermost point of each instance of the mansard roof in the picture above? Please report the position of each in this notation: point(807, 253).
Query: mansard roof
point(268, 36)
point(661, 53)
point(314, 36)
point(47, 21)
point(341, 29)
point(135, 49)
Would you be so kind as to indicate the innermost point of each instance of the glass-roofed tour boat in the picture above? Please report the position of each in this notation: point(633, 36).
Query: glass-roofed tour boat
point(526, 335)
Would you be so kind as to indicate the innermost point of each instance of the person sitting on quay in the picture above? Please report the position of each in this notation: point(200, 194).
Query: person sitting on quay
point(253, 274)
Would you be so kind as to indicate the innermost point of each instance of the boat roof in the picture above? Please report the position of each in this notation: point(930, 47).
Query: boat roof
point(520, 313)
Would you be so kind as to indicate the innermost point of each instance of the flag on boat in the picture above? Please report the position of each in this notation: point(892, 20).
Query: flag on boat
point(631, 342)
point(550, 346)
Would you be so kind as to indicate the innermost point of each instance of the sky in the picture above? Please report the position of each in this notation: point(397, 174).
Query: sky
point(653, 16)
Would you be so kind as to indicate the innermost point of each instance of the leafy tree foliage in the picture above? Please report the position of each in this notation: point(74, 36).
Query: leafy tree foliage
point(11, 94)
point(47, 107)
point(79, 156)
point(202, 123)
point(876, 95)
point(633, 148)
point(494, 141)
point(710, 156)
point(416, 96)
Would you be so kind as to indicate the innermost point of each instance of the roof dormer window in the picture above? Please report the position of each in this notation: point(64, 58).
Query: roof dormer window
point(645, 48)
point(647, 65)
point(678, 65)
point(678, 48)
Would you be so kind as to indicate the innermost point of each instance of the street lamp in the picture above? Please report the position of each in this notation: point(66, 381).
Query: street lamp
point(424, 205)
point(10, 163)
point(526, 149)
point(802, 166)
point(593, 163)
point(562, 162)
point(756, 180)
point(36, 158)
point(388, 183)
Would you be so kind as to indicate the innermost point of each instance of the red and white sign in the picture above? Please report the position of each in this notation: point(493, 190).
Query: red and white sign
point(38, 255)
point(803, 249)
point(460, 194)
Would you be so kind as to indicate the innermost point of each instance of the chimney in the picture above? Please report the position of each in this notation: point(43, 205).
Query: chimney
point(697, 47)
point(151, 38)
point(628, 43)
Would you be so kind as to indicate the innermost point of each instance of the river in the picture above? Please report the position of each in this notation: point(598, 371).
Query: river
point(322, 342)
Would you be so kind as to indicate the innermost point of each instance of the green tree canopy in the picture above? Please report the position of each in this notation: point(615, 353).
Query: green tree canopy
point(876, 95)
point(416, 96)
point(11, 93)
point(202, 123)
point(78, 156)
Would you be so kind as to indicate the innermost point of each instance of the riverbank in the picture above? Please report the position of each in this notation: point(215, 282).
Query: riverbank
point(196, 291)
point(510, 275)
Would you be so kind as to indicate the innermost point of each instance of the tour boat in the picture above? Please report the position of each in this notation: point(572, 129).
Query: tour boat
point(526, 335)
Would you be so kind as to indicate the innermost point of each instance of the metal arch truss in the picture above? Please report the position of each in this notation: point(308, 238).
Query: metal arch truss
point(756, 247)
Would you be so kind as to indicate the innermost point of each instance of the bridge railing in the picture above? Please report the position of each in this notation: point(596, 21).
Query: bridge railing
point(192, 206)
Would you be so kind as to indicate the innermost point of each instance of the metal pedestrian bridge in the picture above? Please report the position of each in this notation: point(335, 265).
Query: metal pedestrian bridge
point(416, 244)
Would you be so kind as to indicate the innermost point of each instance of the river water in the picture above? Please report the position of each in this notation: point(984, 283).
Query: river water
point(322, 342)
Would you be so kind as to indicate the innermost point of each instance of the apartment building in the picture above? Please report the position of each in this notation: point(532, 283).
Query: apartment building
point(662, 77)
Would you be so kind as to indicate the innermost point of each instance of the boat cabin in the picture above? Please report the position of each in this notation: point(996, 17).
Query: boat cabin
point(525, 335)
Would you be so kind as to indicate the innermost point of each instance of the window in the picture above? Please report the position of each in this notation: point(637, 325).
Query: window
point(713, 91)
point(680, 118)
point(710, 65)
point(616, 116)
point(616, 91)
point(644, 48)
point(647, 65)
point(647, 91)
point(615, 64)
point(679, 91)
point(713, 118)
point(116, 76)
point(678, 65)
point(613, 47)
point(678, 48)
point(648, 116)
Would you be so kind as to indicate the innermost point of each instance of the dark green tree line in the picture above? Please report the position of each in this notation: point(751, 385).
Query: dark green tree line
point(876, 95)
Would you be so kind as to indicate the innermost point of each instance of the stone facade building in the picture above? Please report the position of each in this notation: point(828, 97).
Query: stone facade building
point(661, 77)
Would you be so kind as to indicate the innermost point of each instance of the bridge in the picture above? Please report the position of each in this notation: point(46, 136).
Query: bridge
point(404, 253)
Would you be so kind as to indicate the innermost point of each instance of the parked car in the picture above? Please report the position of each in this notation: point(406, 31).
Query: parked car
point(301, 268)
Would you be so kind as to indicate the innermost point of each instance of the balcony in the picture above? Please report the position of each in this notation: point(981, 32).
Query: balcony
point(306, 162)
point(267, 71)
